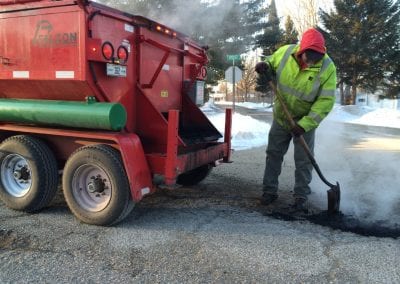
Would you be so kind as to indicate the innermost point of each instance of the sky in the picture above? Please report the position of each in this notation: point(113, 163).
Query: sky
point(369, 177)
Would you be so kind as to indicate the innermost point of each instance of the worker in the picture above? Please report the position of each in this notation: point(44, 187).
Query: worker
point(305, 77)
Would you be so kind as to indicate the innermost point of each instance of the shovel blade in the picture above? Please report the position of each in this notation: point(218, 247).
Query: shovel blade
point(334, 199)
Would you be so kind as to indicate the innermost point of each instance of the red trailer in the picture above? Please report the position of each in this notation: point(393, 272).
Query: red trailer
point(106, 100)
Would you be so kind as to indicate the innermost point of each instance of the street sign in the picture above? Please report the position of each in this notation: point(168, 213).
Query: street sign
point(229, 74)
point(233, 57)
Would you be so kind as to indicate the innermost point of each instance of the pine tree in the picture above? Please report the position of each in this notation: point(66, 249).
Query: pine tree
point(291, 35)
point(393, 86)
point(270, 40)
point(232, 34)
point(362, 37)
point(229, 28)
point(272, 34)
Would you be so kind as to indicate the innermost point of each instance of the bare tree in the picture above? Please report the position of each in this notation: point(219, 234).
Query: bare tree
point(304, 13)
point(249, 80)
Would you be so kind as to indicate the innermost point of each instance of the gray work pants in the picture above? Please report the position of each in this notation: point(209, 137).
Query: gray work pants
point(278, 143)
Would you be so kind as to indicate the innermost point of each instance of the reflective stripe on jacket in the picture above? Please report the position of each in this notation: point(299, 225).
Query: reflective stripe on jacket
point(308, 93)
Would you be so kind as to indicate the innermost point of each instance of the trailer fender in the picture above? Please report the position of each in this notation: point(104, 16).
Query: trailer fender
point(129, 145)
point(136, 166)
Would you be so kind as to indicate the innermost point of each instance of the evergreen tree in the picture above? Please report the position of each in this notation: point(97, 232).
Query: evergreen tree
point(254, 12)
point(291, 35)
point(363, 39)
point(234, 34)
point(270, 40)
point(393, 86)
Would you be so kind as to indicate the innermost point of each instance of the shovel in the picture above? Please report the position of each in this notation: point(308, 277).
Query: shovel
point(334, 191)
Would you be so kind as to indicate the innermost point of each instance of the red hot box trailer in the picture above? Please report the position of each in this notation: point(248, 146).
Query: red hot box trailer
point(105, 98)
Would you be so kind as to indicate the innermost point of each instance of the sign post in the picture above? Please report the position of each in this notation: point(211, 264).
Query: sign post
point(231, 75)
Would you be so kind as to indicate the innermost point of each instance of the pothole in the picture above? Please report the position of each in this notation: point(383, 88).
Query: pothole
point(351, 224)
point(344, 223)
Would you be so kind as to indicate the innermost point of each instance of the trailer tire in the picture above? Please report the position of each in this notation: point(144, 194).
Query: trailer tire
point(96, 187)
point(194, 176)
point(28, 173)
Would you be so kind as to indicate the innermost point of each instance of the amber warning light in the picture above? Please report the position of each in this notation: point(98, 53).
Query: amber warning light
point(166, 31)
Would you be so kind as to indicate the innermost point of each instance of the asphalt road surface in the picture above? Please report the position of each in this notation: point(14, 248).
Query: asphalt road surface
point(217, 231)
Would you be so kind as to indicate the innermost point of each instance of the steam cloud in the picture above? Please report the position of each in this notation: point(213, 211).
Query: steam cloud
point(189, 17)
point(368, 176)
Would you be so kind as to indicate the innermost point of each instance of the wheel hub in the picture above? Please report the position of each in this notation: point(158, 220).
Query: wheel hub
point(16, 175)
point(22, 174)
point(91, 187)
point(97, 185)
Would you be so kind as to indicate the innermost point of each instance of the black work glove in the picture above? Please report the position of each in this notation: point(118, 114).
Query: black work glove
point(263, 69)
point(297, 130)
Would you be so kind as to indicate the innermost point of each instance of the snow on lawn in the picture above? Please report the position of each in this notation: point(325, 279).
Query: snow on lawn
point(248, 132)
point(258, 106)
point(366, 116)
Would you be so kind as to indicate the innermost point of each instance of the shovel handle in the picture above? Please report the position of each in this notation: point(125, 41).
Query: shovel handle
point(283, 104)
point(301, 140)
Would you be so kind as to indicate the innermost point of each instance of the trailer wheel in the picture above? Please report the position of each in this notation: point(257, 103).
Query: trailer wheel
point(28, 173)
point(96, 187)
point(194, 176)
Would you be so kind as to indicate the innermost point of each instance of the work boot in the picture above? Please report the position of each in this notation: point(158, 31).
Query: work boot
point(299, 204)
point(268, 198)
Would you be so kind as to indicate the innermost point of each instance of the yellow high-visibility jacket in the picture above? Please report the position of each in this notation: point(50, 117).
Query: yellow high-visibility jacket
point(309, 93)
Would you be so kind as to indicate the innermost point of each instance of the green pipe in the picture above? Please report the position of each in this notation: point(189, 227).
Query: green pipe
point(90, 114)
